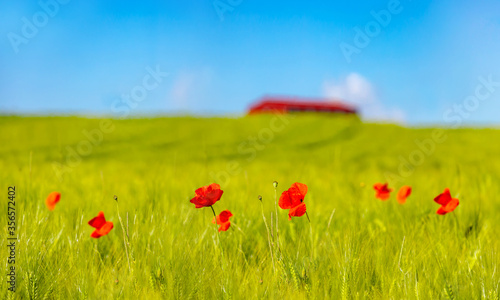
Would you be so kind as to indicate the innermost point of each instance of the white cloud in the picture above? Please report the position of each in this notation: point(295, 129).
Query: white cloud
point(357, 90)
point(354, 88)
point(181, 88)
point(188, 88)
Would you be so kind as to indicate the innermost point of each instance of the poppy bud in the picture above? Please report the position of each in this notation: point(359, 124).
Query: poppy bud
point(116, 198)
point(259, 197)
point(275, 184)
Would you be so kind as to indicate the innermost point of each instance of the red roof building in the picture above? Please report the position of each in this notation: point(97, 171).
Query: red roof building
point(292, 104)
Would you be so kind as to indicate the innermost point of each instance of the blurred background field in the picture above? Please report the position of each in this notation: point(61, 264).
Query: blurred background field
point(355, 246)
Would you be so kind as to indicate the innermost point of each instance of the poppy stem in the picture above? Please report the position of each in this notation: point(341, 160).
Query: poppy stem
point(218, 234)
point(125, 238)
point(276, 208)
point(308, 217)
point(215, 220)
point(269, 240)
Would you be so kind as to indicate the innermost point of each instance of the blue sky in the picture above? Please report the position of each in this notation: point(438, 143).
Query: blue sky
point(415, 66)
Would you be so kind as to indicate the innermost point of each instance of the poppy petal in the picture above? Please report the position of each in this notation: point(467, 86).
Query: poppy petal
point(297, 193)
point(196, 201)
point(382, 196)
point(224, 226)
point(299, 189)
point(224, 216)
point(207, 195)
point(404, 192)
point(213, 192)
point(52, 200)
point(297, 211)
point(378, 186)
point(223, 220)
point(95, 234)
point(200, 191)
point(293, 196)
point(285, 201)
point(441, 211)
point(444, 197)
point(98, 221)
point(451, 205)
point(105, 229)
point(382, 191)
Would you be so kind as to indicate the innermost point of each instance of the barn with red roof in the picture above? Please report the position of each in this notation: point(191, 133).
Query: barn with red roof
point(274, 104)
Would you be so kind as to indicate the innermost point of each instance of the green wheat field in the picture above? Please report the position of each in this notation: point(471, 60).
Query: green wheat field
point(161, 247)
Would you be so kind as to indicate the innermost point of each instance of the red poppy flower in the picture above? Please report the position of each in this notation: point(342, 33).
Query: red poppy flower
point(404, 192)
point(448, 204)
point(101, 226)
point(382, 191)
point(223, 220)
point(207, 195)
point(293, 199)
point(52, 200)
